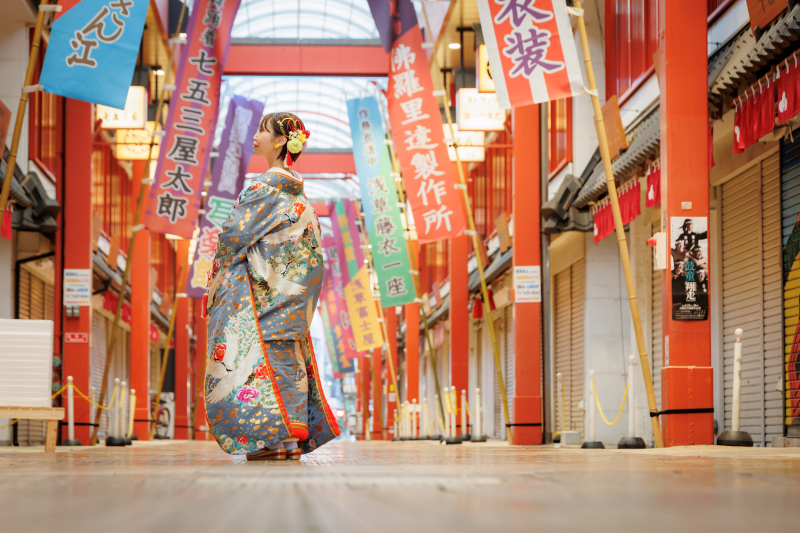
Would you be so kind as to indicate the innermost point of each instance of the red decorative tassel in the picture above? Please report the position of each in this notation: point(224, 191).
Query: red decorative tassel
point(204, 303)
point(288, 158)
point(7, 221)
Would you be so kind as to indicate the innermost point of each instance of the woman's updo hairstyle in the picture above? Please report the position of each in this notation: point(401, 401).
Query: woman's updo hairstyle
point(291, 127)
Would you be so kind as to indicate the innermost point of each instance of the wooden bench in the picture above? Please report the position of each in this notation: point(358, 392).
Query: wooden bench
point(51, 414)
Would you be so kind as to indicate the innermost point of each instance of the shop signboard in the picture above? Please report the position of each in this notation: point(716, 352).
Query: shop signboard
point(132, 116)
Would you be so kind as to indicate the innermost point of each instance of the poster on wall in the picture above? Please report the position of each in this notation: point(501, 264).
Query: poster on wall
point(689, 268)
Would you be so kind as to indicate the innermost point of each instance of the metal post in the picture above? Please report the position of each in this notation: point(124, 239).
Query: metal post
point(591, 440)
point(632, 441)
point(735, 437)
point(477, 430)
point(71, 440)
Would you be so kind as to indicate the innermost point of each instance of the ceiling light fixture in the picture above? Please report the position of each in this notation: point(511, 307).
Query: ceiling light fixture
point(454, 46)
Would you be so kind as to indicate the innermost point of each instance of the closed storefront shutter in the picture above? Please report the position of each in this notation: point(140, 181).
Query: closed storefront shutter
point(790, 225)
point(568, 297)
point(99, 340)
point(35, 299)
point(751, 296)
point(656, 314)
point(508, 374)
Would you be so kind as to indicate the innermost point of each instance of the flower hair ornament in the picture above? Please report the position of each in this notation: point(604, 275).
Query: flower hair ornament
point(294, 130)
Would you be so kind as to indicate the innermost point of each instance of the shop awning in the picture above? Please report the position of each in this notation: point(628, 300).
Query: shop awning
point(643, 144)
point(34, 209)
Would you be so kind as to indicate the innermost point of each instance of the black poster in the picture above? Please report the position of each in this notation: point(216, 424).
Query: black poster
point(689, 268)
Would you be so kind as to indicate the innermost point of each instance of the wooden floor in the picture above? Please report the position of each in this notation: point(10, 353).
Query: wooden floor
point(406, 487)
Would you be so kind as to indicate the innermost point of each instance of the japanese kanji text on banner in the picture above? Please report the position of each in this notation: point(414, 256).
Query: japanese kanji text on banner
point(174, 199)
point(531, 43)
point(366, 328)
point(227, 180)
point(417, 125)
point(337, 306)
point(379, 201)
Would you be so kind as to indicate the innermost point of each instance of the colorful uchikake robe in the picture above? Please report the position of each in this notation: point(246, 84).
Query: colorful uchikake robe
point(262, 384)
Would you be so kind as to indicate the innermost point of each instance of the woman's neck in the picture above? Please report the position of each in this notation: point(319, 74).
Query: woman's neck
point(277, 163)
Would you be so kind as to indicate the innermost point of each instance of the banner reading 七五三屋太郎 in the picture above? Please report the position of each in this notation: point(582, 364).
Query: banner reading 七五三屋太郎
point(367, 330)
point(417, 124)
point(379, 202)
point(92, 51)
point(227, 180)
point(174, 199)
point(531, 45)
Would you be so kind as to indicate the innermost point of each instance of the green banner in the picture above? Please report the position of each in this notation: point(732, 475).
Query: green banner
point(389, 249)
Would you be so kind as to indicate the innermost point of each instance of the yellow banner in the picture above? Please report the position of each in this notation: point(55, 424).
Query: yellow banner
point(363, 314)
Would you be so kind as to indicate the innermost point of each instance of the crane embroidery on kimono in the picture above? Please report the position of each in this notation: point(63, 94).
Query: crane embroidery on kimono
point(271, 280)
point(225, 369)
point(302, 220)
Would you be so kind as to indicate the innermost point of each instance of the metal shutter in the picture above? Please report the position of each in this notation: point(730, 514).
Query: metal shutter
point(751, 287)
point(657, 361)
point(24, 295)
point(790, 207)
point(98, 362)
point(568, 300)
point(509, 375)
point(497, 398)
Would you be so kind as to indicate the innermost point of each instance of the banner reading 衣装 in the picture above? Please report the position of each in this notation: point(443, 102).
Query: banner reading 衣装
point(531, 50)
point(227, 180)
point(174, 200)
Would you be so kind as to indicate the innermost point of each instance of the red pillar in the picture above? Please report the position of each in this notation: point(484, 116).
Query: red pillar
point(77, 229)
point(377, 395)
point(391, 399)
point(459, 317)
point(182, 361)
point(199, 370)
point(412, 338)
point(364, 393)
point(687, 382)
point(527, 398)
point(140, 321)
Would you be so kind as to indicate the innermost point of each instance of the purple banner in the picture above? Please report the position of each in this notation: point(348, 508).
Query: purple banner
point(343, 330)
point(227, 180)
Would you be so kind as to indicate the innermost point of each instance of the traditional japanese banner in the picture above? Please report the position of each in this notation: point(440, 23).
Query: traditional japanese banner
point(531, 43)
point(653, 196)
point(334, 333)
point(227, 180)
point(339, 316)
point(379, 201)
point(349, 252)
point(175, 196)
point(366, 328)
point(417, 124)
point(329, 342)
point(92, 51)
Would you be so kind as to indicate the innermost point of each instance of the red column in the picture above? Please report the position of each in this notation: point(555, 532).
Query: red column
point(687, 381)
point(459, 317)
point(182, 361)
point(391, 400)
point(412, 338)
point(377, 395)
point(199, 370)
point(140, 320)
point(77, 227)
point(527, 398)
point(364, 393)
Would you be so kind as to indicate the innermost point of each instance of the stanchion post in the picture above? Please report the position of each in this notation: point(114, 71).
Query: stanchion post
point(414, 419)
point(632, 441)
point(112, 430)
point(735, 437)
point(131, 412)
point(71, 440)
point(477, 427)
point(396, 428)
point(452, 419)
point(124, 414)
point(591, 441)
point(464, 428)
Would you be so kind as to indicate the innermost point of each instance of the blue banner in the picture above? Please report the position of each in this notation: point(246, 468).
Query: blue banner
point(366, 129)
point(92, 51)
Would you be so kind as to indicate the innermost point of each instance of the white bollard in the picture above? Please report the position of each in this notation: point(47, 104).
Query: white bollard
point(414, 418)
point(436, 428)
point(396, 428)
point(92, 408)
point(123, 418)
point(737, 379)
point(426, 425)
point(131, 411)
point(631, 399)
point(112, 436)
point(453, 413)
point(464, 432)
point(70, 416)
point(477, 427)
point(592, 410)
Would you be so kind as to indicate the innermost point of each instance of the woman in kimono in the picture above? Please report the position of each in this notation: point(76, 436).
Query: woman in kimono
point(262, 389)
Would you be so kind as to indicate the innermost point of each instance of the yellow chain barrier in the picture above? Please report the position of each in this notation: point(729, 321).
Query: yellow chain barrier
point(10, 423)
point(466, 406)
point(597, 400)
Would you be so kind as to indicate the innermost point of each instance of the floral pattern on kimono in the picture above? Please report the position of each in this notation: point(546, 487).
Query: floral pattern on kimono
point(261, 386)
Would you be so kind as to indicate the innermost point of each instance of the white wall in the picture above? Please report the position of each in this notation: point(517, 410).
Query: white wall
point(607, 325)
point(17, 14)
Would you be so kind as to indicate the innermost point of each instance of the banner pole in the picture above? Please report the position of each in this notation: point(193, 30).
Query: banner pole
point(179, 282)
point(401, 196)
point(23, 103)
point(623, 246)
point(145, 184)
point(476, 244)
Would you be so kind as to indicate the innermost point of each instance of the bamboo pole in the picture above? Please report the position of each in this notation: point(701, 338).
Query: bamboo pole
point(401, 197)
point(23, 103)
point(476, 243)
point(179, 282)
point(145, 184)
point(623, 245)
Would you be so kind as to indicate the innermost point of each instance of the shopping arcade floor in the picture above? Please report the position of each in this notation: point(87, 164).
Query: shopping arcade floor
point(411, 487)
